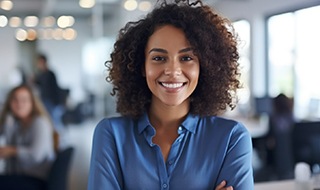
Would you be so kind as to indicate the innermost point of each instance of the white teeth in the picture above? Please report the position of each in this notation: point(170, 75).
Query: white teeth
point(172, 85)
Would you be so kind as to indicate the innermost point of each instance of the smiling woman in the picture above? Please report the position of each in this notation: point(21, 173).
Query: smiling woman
point(173, 72)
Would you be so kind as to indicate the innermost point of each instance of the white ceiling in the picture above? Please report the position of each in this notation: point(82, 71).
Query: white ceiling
point(42, 8)
point(57, 8)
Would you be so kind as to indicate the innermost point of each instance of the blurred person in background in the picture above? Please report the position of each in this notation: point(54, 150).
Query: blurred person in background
point(49, 90)
point(279, 137)
point(52, 96)
point(30, 144)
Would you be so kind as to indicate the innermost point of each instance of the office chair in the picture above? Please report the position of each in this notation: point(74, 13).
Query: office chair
point(58, 175)
point(306, 142)
point(57, 178)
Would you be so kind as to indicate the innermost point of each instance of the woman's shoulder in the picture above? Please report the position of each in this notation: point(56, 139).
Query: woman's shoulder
point(41, 121)
point(226, 129)
point(115, 120)
point(218, 120)
point(40, 118)
point(224, 123)
point(115, 123)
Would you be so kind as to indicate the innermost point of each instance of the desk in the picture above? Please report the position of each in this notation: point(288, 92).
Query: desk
point(275, 185)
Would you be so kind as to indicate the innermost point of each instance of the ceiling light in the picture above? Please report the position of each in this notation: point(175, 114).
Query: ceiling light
point(130, 5)
point(57, 34)
point(48, 21)
point(15, 22)
point(6, 5)
point(87, 3)
point(31, 21)
point(31, 34)
point(65, 21)
point(144, 6)
point(71, 20)
point(21, 35)
point(3, 21)
point(69, 34)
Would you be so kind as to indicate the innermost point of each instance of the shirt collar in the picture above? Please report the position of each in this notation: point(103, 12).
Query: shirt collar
point(190, 123)
point(143, 122)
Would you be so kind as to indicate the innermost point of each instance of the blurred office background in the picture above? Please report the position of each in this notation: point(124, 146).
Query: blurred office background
point(279, 54)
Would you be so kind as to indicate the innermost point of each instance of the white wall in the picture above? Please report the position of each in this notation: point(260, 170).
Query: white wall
point(8, 59)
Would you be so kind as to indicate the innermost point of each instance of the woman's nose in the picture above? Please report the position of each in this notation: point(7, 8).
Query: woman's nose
point(173, 69)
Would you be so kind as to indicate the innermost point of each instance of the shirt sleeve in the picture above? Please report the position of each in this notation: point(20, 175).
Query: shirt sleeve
point(41, 143)
point(237, 166)
point(105, 171)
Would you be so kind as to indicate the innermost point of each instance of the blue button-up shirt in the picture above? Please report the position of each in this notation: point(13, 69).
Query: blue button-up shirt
point(207, 151)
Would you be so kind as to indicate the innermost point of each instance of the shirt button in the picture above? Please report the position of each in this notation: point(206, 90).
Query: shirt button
point(164, 185)
point(180, 128)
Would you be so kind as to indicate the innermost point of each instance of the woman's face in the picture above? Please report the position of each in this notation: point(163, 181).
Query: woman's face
point(171, 67)
point(21, 104)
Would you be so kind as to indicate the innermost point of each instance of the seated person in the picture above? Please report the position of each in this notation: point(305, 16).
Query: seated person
point(29, 149)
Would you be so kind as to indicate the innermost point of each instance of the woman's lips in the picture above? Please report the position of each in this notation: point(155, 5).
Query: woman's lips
point(172, 85)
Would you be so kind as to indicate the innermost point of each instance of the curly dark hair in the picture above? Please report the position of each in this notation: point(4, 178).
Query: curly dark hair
point(214, 41)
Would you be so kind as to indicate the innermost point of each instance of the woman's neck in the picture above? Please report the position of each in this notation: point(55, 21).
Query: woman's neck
point(162, 116)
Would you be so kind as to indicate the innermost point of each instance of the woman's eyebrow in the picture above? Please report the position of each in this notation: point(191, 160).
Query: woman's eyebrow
point(158, 50)
point(186, 50)
point(165, 51)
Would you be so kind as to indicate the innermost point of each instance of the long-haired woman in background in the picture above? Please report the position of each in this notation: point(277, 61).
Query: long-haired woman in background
point(29, 135)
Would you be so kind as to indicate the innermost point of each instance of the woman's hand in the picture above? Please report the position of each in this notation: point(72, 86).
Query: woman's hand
point(7, 151)
point(222, 185)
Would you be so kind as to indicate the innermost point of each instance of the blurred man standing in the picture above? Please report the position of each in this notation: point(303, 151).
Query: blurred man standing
point(49, 91)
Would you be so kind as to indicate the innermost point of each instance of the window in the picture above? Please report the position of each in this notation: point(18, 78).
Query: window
point(242, 28)
point(293, 59)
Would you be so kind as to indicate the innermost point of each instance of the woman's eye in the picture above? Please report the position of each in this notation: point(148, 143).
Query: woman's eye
point(158, 58)
point(186, 58)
